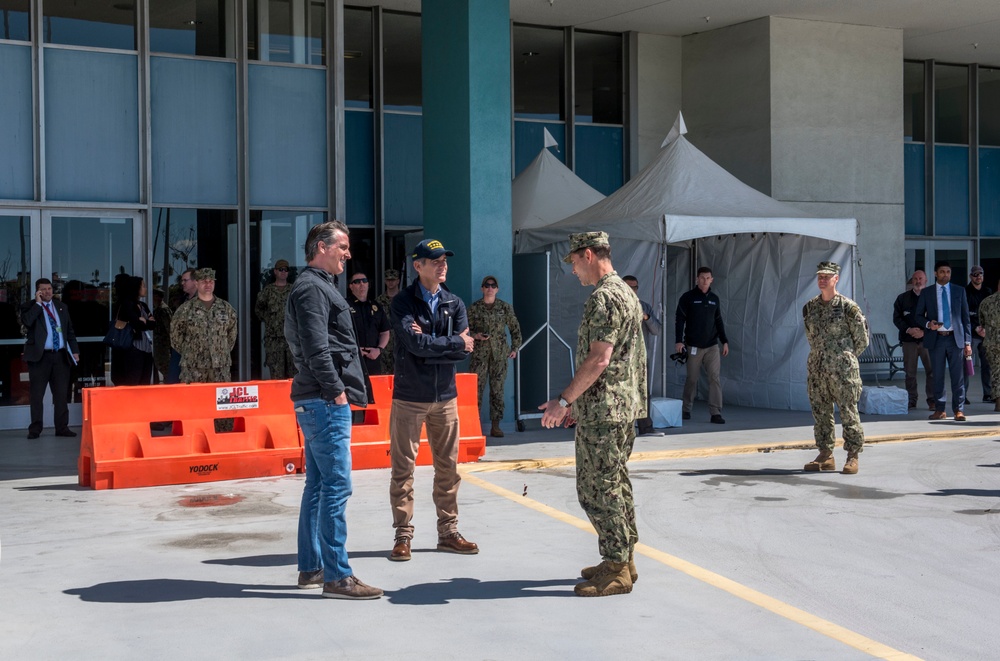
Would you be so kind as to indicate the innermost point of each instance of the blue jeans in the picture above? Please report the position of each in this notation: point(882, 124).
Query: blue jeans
point(322, 516)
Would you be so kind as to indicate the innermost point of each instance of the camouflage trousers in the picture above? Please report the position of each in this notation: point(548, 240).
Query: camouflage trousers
point(603, 486)
point(824, 392)
point(493, 369)
point(220, 375)
point(278, 358)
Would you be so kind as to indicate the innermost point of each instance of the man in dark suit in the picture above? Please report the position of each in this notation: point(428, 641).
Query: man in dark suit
point(943, 311)
point(50, 349)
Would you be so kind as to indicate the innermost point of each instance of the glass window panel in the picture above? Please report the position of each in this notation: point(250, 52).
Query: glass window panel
point(599, 157)
point(359, 166)
point(14, 20)
point(989, 107)
point(290, 31)
point(358, 58)
point(17, 178)
point(989, 191)
point(192, 27)
point(96, 23)
point(402, 73)
point(529, 141)
point(914, 189)
point(913, 101)
point(539, 68)
point(274, 235)
point(598, 78)
point(16, 288)
point(989, 259)
point(404, 170)
point(194, 156)
point(951, 104)
point(951, 190)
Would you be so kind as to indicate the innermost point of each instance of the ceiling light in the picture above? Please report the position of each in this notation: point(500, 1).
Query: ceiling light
point(530, 53)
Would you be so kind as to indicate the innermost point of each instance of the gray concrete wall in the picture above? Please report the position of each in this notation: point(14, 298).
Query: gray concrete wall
point(726, 98)
point(659, 92)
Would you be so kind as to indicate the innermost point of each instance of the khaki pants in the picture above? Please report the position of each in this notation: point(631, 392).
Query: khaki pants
point(912, 351)
point(710, 359)
point(405, 420)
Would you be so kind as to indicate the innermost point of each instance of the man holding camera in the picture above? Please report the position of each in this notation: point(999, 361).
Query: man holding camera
point(698, 331)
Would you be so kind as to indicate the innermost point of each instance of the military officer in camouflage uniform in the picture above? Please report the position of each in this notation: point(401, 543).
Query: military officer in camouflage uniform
point(989, 319)
point(161, 335)
point(489, 320)
point(270, 309)
point(605, 397)
point(391, 277)
point(837, 334)
point(203, 330)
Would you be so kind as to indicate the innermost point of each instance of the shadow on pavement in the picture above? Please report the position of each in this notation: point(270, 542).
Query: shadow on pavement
point(443, 592)
point(159, 590)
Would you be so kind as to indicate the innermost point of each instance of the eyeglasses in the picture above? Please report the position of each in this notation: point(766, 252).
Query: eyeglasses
point(359, 281)
point(282, 269)
point(491, 285)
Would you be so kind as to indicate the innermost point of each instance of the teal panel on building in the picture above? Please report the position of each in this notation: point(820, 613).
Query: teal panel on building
point(92, 126)
point(287, 127)
point(16, 160)
point(359, 166)
point(914, 187)
point(404, 170)
point(194, 153)
point(989, 191)
point(599, 157)
point(951, 190)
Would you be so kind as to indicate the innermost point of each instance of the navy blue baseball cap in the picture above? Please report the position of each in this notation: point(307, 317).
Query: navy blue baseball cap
point(430, 249)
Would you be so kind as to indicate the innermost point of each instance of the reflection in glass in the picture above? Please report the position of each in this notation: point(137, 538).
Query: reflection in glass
point(951, 104)
point(598, 78)
point(16, 289)
point(96, 23)
point(358, 58)
point(989, 107)
point(14, 23)
point(402, 62)
point(913, 101)
point(538, 69)
point(290, 31)
point(192, 27)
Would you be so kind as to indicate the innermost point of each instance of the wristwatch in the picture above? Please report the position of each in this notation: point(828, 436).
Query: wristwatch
point(562, 402)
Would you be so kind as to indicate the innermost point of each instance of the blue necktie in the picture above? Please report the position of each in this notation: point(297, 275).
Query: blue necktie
point(54, 325)
point(945, 307)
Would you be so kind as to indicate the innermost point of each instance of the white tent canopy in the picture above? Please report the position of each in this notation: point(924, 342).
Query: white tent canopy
point(682, 211)
point(547, 191)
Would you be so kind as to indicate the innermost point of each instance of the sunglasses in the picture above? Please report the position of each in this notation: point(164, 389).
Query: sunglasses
point(491, 285)
point(282, 269)
point(359, 281)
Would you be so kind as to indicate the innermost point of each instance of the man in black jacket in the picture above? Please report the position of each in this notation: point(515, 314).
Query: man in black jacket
point(320, 336)
point(698, 329)
point(911, 339)
point(432, 335)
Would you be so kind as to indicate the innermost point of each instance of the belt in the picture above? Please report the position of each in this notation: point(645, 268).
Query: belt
point(945, 332)
point(52, 350)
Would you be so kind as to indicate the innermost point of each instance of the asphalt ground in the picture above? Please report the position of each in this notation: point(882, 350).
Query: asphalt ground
point(742, 555)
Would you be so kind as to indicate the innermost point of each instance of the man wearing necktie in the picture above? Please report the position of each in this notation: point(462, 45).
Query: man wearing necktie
point(50, 350)
point(943, 311)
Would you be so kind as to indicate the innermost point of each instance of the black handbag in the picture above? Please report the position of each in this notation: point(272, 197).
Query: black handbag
point(119, 335)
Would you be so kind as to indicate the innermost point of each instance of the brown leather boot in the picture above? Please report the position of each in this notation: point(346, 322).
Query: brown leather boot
point(614, 579)
point(824, 461)
point(851, 467)
point(496, 432)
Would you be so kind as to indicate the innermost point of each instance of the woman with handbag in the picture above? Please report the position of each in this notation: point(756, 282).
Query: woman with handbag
point(133, 366)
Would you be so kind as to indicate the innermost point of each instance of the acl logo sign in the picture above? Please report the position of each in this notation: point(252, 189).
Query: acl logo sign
point(235, 397)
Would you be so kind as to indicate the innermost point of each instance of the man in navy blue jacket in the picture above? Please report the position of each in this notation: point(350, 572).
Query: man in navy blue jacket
point(432, 335)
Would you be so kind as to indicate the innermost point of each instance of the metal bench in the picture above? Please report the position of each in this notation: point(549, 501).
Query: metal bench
point(879, 351)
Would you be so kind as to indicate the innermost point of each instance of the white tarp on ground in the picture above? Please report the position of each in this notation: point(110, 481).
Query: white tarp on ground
point(547, 191)
point(683, 210)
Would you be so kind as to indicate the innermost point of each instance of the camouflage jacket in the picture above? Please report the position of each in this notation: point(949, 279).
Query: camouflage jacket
point(270, 309)
point(494, 320)
point(612, 314)
point(989, 319)
point(837, 334)
point(204, 337)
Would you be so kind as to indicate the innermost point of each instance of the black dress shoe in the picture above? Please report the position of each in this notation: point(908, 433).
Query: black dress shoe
point(69, 433)
point(685, 415)
point(33, 434)
point(987, 399)
point(717, 419)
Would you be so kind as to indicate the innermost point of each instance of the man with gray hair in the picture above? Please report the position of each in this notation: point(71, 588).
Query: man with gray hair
point(911, 339)
point(320, 335)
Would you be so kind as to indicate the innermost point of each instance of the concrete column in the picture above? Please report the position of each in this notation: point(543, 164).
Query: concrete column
point(467, 139)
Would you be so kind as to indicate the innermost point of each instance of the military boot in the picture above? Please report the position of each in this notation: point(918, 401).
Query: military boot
point(851, 467)
point(496, 432)
point(824, 461)
point(612, 579)
point(590, 572)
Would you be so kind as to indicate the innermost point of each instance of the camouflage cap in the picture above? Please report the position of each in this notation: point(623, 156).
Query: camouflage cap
point(204, 274)
point(281, 263)
point(586, 240)
point(391, 274)
point(829, 268)
point(489, 278)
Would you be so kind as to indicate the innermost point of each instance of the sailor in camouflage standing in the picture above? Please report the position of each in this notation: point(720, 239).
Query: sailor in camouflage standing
point(203, 330)
point(270, 309)
point(391, 278)
point(607, 395)
point(489, 320)
point(989, 319)
point(837, 334)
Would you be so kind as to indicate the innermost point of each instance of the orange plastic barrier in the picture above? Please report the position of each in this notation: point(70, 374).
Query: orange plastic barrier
point(117, 449)
point(370, 440)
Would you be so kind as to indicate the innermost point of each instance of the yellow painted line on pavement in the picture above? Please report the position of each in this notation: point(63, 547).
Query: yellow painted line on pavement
point(724, 450)
point(789, 612)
